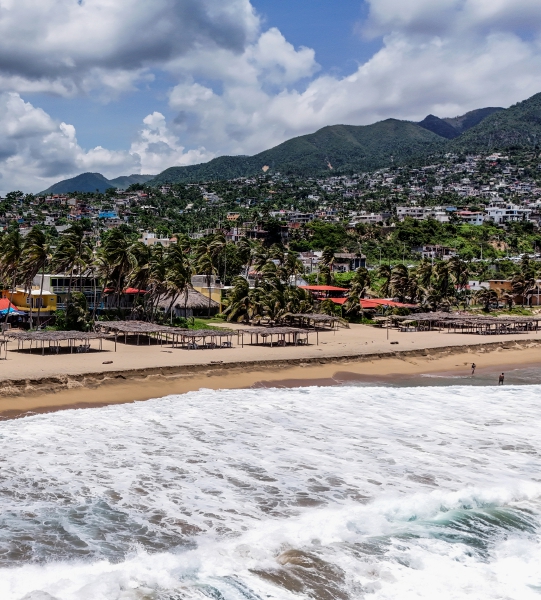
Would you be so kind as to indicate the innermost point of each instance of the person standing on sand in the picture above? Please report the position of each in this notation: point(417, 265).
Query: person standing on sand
point(501, 378)
point(473, 365)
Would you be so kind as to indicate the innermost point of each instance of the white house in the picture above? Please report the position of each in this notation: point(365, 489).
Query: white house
point(507, 213)
point(471, 217)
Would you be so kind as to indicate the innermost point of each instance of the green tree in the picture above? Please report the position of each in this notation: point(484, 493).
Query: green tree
point(35, 259)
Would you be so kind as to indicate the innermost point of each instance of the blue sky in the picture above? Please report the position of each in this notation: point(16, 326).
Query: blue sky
point(332, 29)
point(132, 86)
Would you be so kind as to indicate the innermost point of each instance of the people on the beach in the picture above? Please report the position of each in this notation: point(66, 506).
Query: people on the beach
point(501, 378)
point(473, 365)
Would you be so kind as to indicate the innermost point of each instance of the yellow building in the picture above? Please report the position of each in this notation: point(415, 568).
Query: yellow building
point(32, 301)
point(200, 284)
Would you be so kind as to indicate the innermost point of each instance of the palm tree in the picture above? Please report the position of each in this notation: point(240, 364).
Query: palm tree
point(443, 280)
point(240, 302)
point(424, 274)
point(519, 285)
point(122, 255)
point(507, 297)
point(245, 250)
point(459, 272)
point(400, 282)
point(74, 254)
point(292, 265)
point(35, 259)
point(205, 266)
point(326, 264)
point(486, 297)
point(361, 281)
point(10, 261)
point(178, 274)
point(385, 273)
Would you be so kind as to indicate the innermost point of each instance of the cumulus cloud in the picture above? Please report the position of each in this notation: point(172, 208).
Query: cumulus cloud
point(65, 46)
point(443, 57)
point(158, 148)
point(458, 17)
point(37, 151)
point(240, 89)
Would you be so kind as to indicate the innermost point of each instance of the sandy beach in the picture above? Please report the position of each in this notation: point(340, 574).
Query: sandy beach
point(31, 382)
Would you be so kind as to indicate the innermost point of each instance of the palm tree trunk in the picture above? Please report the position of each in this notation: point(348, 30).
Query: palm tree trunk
point(41, 294)
point(12, 291)
point(95, 298)
point(210, 295)
point(29, 288)
point(118, 289)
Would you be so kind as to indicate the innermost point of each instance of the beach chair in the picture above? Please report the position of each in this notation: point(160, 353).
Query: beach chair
point(193, 346)
point(227, 345)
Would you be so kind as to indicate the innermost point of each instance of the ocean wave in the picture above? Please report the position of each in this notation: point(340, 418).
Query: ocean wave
point(312, 492)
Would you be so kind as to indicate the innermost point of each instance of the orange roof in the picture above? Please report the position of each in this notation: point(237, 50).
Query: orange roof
point(5, 304)
point(375, 303)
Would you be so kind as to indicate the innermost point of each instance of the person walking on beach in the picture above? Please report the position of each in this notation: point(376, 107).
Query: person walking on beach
point(473, 365)
point(501, 378)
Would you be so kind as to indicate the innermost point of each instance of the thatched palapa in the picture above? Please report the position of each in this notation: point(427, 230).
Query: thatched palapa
point(80, 340)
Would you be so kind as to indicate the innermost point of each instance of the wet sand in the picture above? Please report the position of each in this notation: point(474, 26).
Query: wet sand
point(31, 383)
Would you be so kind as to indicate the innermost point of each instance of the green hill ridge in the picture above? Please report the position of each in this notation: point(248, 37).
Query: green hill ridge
point(94, 182)
point(350, 148)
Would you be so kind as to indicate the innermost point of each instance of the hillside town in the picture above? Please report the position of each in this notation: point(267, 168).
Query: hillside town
point(464, 231)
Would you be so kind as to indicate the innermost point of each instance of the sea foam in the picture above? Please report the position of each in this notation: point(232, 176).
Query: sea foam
point(318, 492)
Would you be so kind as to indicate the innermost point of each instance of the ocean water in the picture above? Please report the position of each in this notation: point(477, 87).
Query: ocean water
point(324, 493)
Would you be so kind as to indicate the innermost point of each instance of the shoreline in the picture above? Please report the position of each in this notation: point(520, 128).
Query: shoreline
point(26, 396)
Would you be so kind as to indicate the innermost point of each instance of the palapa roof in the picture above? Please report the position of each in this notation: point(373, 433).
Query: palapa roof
point(272, 330)
point(195, 300)
point(197, 333)
point(315, 317)
point(52, 336)
point(142, 327)
point(468, 318)
point(137, 327)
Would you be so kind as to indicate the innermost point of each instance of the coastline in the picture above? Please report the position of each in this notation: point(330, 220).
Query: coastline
point(25, 396)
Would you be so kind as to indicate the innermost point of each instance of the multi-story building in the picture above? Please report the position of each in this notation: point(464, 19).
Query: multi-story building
point(501, 212)
point(471, 217)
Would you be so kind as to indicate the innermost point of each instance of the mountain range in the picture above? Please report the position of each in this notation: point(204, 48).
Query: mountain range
point(94, 182)
point(350, 148)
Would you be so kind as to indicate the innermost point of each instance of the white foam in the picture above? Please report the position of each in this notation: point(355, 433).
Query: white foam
point(192, 490)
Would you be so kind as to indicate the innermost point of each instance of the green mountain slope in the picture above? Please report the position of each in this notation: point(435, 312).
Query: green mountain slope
point(452, 128)
point(86, 182)
point(348, 148)
point(91, 182)
point(337, 148)
point(125, 181)
point(517, 126)
point(472, 118)
point(439, 127)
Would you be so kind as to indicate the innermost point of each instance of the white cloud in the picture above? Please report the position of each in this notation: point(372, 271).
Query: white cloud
point(452, 16)
point(36, 151)
point(67, 46)
point(443, 57)
point(158, 148)
point(239, 89)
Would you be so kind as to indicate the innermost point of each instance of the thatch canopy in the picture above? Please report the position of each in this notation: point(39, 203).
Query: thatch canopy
point(52, 336)
point(194, 301)
point(136, 327)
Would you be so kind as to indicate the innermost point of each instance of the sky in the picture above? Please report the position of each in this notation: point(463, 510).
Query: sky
point(131, 86)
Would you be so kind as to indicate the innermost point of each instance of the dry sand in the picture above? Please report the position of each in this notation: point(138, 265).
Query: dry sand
point(35, 383)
